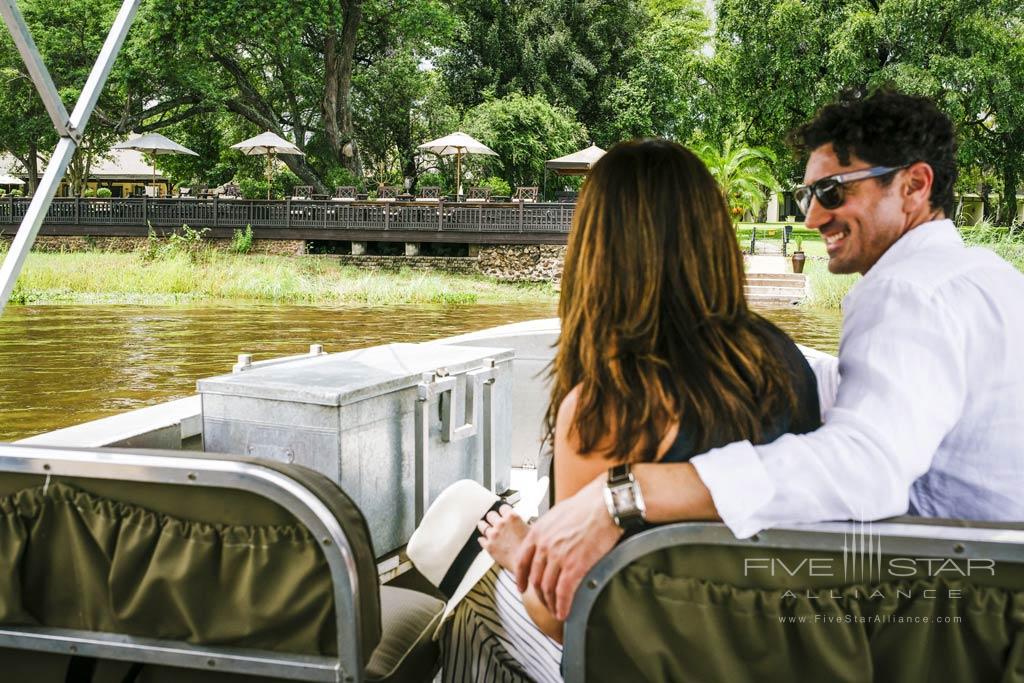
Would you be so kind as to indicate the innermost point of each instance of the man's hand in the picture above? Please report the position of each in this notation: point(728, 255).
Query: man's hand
point(564, 545)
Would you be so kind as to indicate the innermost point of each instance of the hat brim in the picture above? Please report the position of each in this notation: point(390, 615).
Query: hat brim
point(477, 570)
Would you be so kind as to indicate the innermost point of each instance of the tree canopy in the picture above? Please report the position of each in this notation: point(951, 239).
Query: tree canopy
point(358, 84)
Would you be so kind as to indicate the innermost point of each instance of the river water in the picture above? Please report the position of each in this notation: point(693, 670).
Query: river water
point(62, 365)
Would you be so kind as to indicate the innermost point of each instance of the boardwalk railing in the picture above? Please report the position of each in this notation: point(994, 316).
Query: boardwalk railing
point(305, 216)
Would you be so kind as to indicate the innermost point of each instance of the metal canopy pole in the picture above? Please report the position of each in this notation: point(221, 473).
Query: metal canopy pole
point(70, 129)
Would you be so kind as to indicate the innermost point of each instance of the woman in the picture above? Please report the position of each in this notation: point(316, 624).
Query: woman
point(659, 358)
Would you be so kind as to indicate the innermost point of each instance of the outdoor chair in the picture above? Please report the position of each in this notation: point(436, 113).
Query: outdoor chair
point(388, 193)
point(526, 194)
point(478, 194)
point(231, 191)
point(133, 565)
point(302, 192)
point(429, 193)
point(346, 193)
point(825, 602)
point(185, 192)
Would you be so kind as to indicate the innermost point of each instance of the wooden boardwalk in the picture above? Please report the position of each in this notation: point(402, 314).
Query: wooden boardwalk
point(438, 221)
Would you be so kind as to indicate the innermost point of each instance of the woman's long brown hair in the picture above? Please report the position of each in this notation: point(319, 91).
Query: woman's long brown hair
point(655, 325)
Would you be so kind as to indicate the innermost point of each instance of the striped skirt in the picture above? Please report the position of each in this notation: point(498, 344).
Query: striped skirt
point(492, 638)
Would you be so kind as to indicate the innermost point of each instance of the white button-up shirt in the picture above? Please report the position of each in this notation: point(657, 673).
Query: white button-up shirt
point(928, 412)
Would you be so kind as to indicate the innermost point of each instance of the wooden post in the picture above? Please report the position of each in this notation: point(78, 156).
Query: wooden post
point(78, 210)
point(287, 212)
point(440, 215)
point(145, 210)
point(216, 212)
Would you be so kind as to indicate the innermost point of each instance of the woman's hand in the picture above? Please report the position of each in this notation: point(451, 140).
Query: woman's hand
point(502, 534)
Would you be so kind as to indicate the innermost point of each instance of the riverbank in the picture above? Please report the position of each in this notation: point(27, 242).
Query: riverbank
point(826, 290)
point(141, 278)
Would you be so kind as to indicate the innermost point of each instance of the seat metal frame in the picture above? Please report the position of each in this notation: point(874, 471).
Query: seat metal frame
point(163, 467)
point(941, 539)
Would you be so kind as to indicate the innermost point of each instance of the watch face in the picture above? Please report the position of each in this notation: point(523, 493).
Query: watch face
point(623, 498)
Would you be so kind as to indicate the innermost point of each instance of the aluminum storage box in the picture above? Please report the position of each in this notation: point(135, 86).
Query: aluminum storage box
point(353, 417)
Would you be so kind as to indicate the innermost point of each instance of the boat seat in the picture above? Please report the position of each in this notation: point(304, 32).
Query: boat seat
point(898, 600)
point(132, 565)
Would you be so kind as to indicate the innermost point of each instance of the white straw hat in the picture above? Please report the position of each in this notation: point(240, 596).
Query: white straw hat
point(444, 548)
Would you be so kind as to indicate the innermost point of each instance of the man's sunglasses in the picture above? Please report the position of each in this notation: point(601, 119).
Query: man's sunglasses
point(829, 191)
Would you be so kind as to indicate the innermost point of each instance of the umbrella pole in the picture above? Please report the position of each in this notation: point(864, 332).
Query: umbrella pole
point(270, 172)
point(458, 175)
point(153, 164)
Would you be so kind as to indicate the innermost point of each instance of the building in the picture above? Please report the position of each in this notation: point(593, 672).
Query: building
point(125, 172)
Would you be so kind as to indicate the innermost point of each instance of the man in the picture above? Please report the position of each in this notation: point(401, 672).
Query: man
point(929, 414)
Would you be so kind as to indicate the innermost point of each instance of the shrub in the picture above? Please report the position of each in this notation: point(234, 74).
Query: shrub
point(89, 193)
point(3, 192)
point(104, 193)
point(186, 242)
point(438, 180)
point(498, 186)
point(342, 177)
point(253, 188)
point(241, 241)
point(17, 193)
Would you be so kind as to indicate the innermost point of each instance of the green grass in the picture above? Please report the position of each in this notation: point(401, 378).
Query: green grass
point(824, 289)
point(96, 277)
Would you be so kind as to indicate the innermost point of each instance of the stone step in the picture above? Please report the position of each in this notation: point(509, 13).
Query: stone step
point(778, 276)
point(773, 300)
point(768, 282)
point(774, 291)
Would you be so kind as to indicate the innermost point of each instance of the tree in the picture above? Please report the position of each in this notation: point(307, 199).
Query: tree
point(399, 99)
point(525, 132)
point(658, 95)
point(571, 52)
point(778, 61)
point(743, 173)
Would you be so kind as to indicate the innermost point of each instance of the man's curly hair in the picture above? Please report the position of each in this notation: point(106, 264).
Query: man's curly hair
point(888, 128)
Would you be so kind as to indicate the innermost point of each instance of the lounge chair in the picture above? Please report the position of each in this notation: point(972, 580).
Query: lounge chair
point(690, 602)
point(167, 565)
point(478, 194)
point(526, 194)
point(301, 192)
point(429, 193)
point(388, 193)
point(345, 193)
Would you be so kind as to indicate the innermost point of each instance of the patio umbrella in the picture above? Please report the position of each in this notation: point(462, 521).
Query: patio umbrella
point(10, 180)
point(457, 144)
point(154, 144)
point(270, 144)
point(577, 163)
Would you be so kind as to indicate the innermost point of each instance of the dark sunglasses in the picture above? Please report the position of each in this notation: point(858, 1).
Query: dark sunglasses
point(829, 191)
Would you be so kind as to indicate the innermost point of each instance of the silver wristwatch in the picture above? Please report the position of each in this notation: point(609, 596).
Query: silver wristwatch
point(624, 499)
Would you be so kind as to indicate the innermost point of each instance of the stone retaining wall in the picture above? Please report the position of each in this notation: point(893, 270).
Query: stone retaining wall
point(540, 263)
point(448, 264)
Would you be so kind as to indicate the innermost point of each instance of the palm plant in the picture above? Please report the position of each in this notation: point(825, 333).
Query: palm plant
point(744, 174)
